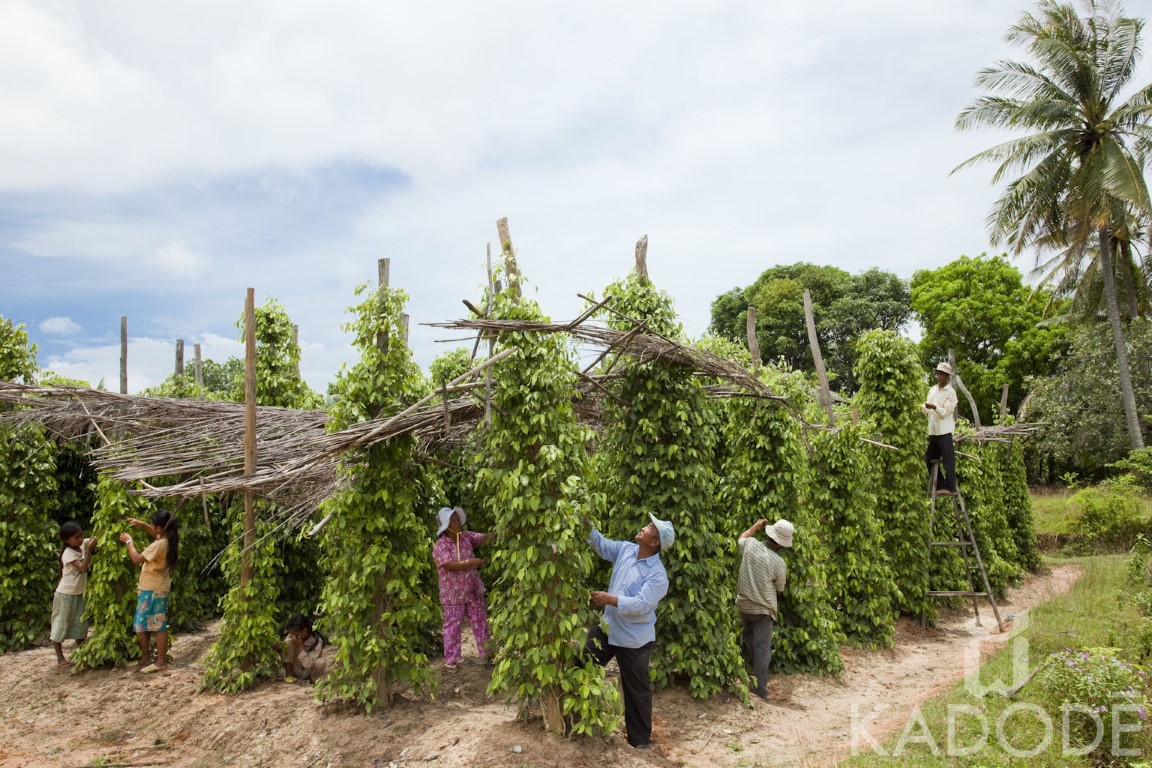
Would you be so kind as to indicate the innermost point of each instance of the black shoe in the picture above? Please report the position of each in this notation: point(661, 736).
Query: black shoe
point(640, 746)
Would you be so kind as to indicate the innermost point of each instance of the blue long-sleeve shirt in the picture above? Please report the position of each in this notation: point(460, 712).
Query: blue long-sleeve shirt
point(639, 585)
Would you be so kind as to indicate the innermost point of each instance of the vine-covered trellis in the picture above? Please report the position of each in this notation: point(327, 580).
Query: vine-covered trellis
point(526, 418)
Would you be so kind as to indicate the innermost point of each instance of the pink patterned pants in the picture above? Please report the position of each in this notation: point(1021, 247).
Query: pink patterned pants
point(477, 617)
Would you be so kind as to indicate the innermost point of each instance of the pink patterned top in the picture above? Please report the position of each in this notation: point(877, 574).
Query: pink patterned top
point(457, 587)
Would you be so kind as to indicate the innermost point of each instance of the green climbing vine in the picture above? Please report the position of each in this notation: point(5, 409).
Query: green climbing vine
point(891, 391)
point(529, 475)
point(377, 550)
point(860, 583)
point(656, 457)
point(766, 476)
point(28, 535)
point(248, 647)
point(111, 593)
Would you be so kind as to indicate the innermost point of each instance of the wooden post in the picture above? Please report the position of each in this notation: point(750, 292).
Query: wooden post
point(818, 359)
point(123, 354)
point(249, 438)
point(296, 343)
point(404, 321)
point(1004, 403)
point(753, 342)
point(642, 258)
point(197, 366)
point(179, 357)
point(382, 268)
point(512, 272)
point(960, 386)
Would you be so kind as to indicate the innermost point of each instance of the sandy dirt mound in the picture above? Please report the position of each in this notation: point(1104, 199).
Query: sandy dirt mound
point(121, 718)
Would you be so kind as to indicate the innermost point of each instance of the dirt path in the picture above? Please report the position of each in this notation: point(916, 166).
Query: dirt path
point(121, 718)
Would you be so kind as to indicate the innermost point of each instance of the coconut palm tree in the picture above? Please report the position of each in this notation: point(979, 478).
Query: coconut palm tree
point(1074, 273)
point(1084, 154)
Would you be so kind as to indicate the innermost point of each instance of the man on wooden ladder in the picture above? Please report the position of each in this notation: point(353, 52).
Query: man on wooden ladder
point(940, 406)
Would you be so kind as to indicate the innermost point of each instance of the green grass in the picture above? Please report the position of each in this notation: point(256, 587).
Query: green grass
point(1097, 612)
point(1051, 511)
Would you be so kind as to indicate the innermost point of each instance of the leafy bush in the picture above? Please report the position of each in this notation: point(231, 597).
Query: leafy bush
point(1109, 521)
point(1138, 468)
point(1092, 687)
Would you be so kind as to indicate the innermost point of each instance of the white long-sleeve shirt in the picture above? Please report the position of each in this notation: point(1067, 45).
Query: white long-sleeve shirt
point(941, 421)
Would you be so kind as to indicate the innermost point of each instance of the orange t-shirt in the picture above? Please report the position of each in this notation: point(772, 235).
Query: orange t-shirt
point(154, 575)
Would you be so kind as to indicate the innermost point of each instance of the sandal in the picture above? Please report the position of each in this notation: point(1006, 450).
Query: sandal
point(151, 669)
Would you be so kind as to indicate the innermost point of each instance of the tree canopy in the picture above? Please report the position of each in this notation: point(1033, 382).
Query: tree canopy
point(980, 308)
point(845, 306)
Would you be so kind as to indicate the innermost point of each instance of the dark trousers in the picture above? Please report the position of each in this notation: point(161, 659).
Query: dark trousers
point(940, 447)
point(634, 676)
point(758, 645)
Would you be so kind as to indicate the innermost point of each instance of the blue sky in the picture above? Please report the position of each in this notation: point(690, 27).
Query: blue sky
point(156, 159)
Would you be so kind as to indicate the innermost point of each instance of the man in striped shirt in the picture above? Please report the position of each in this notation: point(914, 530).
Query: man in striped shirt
point(763, 573)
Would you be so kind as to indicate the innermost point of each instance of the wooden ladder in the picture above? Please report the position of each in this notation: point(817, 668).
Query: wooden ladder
point(965, 541)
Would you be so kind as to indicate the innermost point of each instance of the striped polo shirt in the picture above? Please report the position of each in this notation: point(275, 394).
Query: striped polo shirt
point(763, 573)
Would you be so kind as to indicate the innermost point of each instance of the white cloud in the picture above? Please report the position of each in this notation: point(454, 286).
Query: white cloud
point(177, 259)
point(736, 134)
point(59, 326)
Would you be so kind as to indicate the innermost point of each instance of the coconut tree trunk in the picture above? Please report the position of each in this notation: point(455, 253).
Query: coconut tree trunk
point(1128, 265)
point(1131, 416)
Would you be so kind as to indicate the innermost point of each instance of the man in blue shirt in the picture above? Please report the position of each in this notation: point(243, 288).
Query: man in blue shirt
point(636, 587)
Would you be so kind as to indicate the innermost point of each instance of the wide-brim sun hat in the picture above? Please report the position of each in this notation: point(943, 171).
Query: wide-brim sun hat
point(944, 368)
point(665, 530)
point(781, 532)
point(444, 516)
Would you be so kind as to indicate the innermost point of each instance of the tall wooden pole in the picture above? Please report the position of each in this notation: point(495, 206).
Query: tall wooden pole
point(511, 270)
point(753, 342)
point(382, 268)
point(198, 366)
point(642, 258)
point(123, 354)
point(818, 359)
point(179, 357)
point(249, 436)
point(959, 382)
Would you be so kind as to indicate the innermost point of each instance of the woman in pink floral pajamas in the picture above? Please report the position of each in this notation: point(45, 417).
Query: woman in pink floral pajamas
point(461, 590)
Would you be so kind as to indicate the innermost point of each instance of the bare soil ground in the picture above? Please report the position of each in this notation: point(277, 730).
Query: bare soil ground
point(121, 718)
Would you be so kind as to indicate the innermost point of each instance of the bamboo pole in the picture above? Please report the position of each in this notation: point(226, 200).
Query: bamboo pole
point(818, 359)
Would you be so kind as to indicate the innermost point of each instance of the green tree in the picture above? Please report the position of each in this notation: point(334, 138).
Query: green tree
point(844, 307)
point(1082, 161)
point(980, 308)
point(1083, 426)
